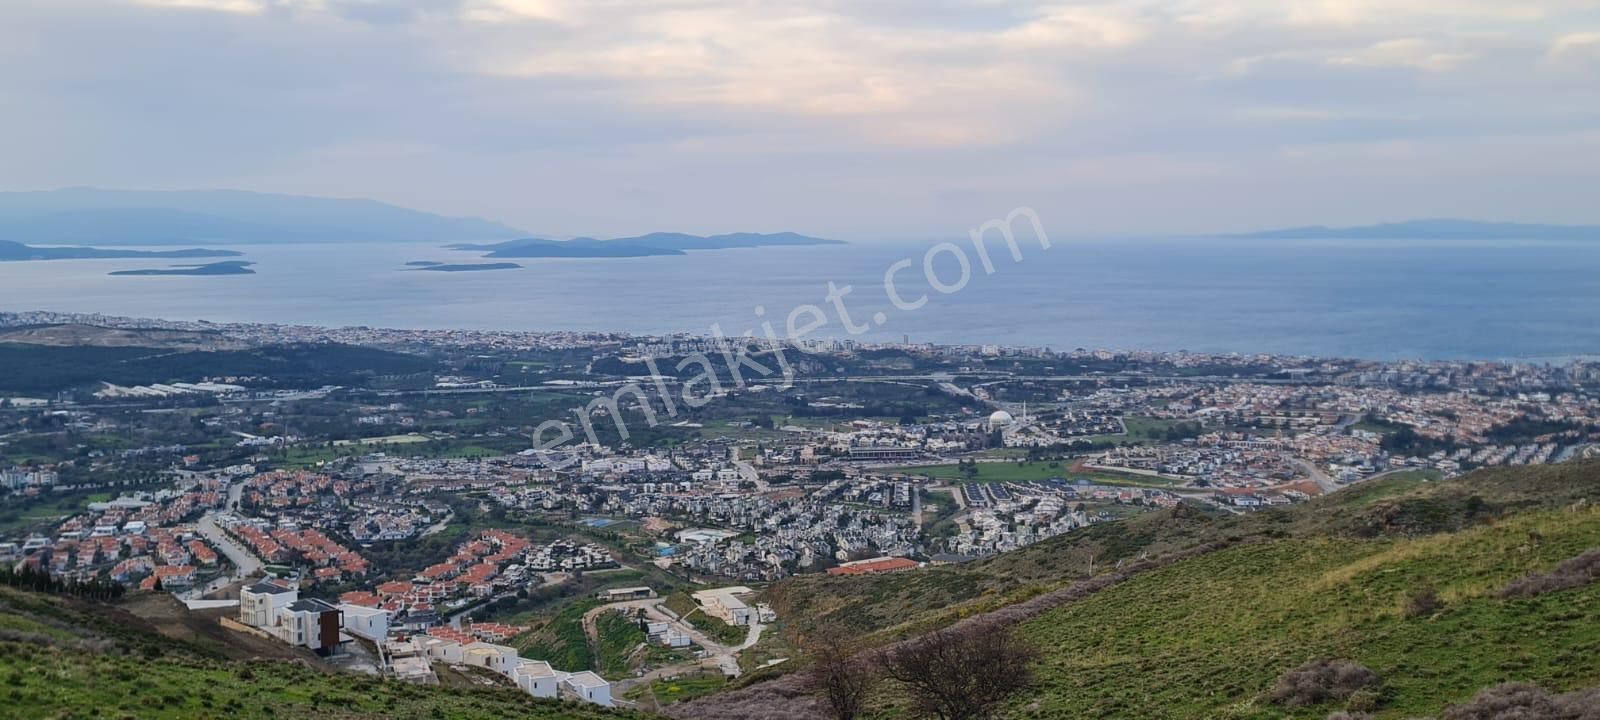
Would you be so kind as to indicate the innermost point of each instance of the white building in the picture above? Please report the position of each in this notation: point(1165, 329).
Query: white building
point(311, 623)
point(535, 677)
point(365, 622)
point(590, 687)
point(259, 604)
point(724, 604)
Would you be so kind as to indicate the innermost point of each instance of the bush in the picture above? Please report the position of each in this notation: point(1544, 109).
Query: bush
point(1323, 680)
point(1523, 701)
point(1363, 701)
point(1424, 603)
point(1575, 572)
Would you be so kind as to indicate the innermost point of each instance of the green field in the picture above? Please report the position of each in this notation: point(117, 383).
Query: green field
point(666, 692)
point(619, 636)
point(18, 513)
point(720, 631)
point(560, 640)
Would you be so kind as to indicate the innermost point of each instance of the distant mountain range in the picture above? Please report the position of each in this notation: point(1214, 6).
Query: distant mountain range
point(661, 243)
point(226, 267)
point(83, 216)
point(1435, 229)
point(12, 251)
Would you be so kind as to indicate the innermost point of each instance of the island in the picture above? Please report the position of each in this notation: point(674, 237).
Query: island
point(18, 252)
point(653, 244)
point(423, 263)
point(230, 267)
point(468, 267)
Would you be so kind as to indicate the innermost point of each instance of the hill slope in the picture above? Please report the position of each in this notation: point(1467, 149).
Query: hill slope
point(1227, 604)
point(76, 216)
point(64, 658)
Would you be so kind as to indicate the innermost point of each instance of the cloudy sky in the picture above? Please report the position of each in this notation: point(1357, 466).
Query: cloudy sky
point(866, 119)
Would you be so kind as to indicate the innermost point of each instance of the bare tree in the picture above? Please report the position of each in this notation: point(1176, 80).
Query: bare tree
point(963, 673)
point(837, 677)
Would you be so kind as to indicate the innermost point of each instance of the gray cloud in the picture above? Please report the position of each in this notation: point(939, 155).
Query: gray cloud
point(899, 118)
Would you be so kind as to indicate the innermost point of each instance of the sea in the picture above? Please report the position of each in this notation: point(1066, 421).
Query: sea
point(1532, 300)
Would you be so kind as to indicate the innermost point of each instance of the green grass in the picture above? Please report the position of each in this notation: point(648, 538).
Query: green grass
point(65, 658)
point(18, 514)
point(681, 603)
point(681, 689)
point(879, 608)
point(716, 629)
point(561, 640)
point(619, 636)
point(49, 682)
point(940, 522)
point(1208, 637)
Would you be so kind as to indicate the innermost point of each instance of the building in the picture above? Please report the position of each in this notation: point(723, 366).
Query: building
point(311, 623)
point(875, 565)
point(628, 593)
point(260, 603)
point(724, 604)
point(535, 677)
point(365, 622)
point(589, 687)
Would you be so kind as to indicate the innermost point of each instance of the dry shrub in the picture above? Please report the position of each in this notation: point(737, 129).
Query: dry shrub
point(1424, 603)
point(1319, 681)
point(1575, 572)
point(1342, 715)
point(1522, 701)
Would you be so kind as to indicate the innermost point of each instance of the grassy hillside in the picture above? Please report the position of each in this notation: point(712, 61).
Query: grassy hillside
point(560, 640)
point(886, 607)
point(61, 658)
point(1228, 603)
point(1209, 637)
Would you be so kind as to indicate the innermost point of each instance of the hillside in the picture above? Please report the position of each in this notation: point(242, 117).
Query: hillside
point(1209, 637)
point(15, 251)
point(66, 658)
point(1224, 605)
point(82, 216)
point(124, 360)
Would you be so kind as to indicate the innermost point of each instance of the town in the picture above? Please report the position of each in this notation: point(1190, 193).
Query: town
point(413, 522)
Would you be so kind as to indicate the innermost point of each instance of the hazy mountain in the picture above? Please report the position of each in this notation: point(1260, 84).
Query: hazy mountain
point(227, 267)
point(77, 216)
point(660, 243)
point(1435, 229)
point(17, 251)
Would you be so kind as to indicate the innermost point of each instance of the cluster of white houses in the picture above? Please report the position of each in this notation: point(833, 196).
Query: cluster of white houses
point(275, 608)
point(412, 660)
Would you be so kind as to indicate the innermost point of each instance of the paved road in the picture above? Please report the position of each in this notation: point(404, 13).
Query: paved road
point(244, 562)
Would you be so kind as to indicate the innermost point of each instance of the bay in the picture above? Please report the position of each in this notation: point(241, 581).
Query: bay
point(1346, 298)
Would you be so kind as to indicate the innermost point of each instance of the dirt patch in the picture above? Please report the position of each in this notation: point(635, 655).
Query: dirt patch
point(167, 616)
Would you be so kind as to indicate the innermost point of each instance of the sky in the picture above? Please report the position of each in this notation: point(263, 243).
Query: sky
point(893, 119)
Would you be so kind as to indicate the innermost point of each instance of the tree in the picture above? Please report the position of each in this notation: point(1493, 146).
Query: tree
point(841, 681)
point(961, 674)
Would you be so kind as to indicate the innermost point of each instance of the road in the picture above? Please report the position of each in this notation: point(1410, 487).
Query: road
point(245, 563)
point(722, 656)
point(1317, 475)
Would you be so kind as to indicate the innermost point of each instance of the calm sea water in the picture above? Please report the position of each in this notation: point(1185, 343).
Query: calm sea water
point(1355, 298)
